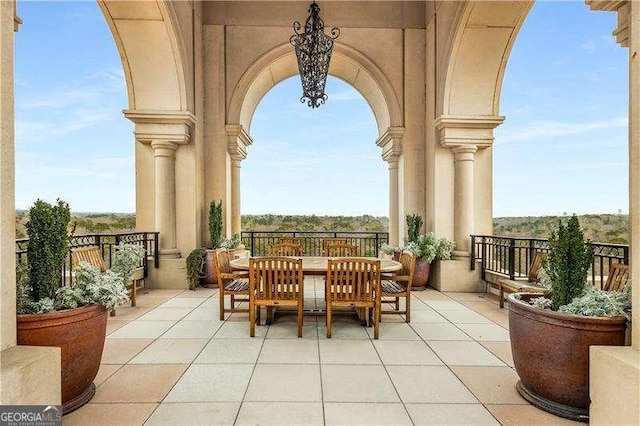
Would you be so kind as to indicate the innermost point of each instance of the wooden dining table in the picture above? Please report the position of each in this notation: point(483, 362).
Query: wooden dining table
point(317, 265)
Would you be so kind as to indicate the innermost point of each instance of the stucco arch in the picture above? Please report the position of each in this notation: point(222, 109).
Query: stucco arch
point(482, 42)
point(346, 63)
point(153, 58)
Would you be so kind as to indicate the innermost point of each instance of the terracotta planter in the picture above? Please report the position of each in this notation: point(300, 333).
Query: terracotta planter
point(551, 355)
point(80, 334)
point(210, 276)
point(420, 275)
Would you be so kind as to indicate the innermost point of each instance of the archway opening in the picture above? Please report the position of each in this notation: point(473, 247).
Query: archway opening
point(563, 147)
point(72, 140)
point(314, 162)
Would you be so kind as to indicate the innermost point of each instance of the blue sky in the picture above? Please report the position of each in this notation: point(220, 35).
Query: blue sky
point(563, 147)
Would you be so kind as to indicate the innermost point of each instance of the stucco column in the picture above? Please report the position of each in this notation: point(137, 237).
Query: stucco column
point(394, 237)
point(391, 144)
point(615, 370)
point(236, 212)
point(465, 135)
point(164, 132)
point(164, 153)
point(463, 158)
point(238, 140)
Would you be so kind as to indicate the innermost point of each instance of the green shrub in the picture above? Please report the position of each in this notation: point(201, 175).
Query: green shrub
point(568, 262)
point(195, 267)
point(215, 223)
point(48, 247)
point(414, 224)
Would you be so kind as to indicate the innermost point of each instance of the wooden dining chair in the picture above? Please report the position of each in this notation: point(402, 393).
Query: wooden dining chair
point(353, 282)
point(292, 240)
point(398, 285)
point(273, 282)
point(327, 242)
point(233, 283)
point(342, 250)
point(284, 249)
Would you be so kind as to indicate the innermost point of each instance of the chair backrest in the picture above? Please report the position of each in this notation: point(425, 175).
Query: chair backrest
point(276, 278)
point(408, 261)
point(221, 263)
point(90, 254)
point(352, 279)
point(330, 241)
point(284, 249)
point(618, 277)
point(342, 250)
point(290, 240)
point(536, 265)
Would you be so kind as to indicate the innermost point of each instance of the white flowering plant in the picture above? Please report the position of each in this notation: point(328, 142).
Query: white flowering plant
point(91, 286)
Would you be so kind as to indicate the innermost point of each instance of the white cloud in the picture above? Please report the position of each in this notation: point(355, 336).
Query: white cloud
point(544, 129)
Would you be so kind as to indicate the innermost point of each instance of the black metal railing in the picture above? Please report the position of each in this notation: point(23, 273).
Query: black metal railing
point(107, 243)
point(512, 256)
point(368, 242)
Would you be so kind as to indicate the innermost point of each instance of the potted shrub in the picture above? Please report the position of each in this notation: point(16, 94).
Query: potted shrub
point(551, 334)
point(426, 248)
point(73, 318)
point(195, 267)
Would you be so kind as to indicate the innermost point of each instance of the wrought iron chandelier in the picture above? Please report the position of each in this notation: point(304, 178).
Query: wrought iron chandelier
point(313, 50)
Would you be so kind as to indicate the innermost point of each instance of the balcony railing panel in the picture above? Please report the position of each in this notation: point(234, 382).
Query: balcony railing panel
point(107, 243)
point(512, 256)
point(368, 242)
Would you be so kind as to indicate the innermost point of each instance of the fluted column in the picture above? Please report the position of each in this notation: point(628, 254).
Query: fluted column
point(164, 131)
point(237, 142)
point(463, 159)
point(164, 153)
point(391, 144)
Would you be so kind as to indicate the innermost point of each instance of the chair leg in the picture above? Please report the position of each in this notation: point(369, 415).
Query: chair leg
point(252, 319)
point(408, 307)
point(221, 293)
point(328, 321)
point(397, 303)
point(134, 290)
point(269, 314)
point(300, 320)
point(233, 302)
point(112, 313)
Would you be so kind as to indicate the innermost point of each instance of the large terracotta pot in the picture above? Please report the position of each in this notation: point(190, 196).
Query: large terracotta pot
point(420, 275)
point(210, 276)
point(80, 334)
point(551, 355)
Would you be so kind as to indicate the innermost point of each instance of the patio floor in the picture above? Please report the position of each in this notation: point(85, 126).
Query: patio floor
point(172, 361)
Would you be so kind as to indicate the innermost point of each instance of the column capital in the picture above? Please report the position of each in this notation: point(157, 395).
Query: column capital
point(173, 126)
point(454, 130)
point(464, 152)
point(620, 6)
point(391, 143)
point(238, 140)
point(164, 148)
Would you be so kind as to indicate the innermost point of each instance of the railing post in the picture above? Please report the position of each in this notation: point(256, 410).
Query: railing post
point(156, 249)
point(512, 258)
point(146, 255)
point(483, 257)
point(253, 241)
point(625, 254)
point(377, 249)
point(472, 256)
